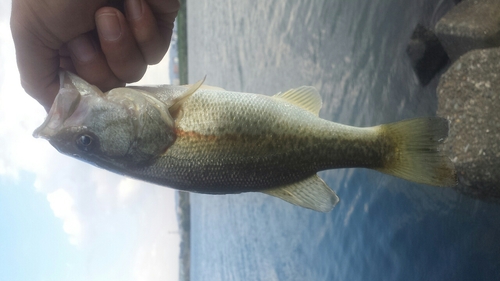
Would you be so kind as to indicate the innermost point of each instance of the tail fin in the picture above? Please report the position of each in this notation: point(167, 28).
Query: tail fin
point(416, 156)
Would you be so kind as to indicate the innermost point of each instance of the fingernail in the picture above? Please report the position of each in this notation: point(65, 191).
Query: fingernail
point(82, 48)
point(134, 9)
point(109, 26)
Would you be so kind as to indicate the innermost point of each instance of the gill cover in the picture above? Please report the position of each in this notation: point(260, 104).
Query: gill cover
point(71, 89)
point(118, 128)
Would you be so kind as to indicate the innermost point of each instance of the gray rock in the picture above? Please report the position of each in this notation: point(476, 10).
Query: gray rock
point(426, 54)
point(472, 24)
point(469, 96)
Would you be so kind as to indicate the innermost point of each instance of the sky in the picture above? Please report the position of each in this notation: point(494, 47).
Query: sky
point(62, 219)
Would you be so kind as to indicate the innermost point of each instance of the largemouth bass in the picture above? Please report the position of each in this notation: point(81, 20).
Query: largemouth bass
point(203, 139)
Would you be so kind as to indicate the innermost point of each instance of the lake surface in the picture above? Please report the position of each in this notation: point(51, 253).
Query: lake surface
point(384, 228)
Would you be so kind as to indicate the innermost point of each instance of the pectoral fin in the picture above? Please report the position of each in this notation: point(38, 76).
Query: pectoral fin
point(176, 106)
point(306, 97)
point(311, 193)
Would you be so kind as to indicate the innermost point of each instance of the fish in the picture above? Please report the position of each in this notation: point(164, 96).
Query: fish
point(205, 139)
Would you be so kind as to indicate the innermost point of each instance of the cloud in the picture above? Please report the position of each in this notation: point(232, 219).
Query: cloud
point(92, 204)
point(18, 114)
point(63, 206)
point(127, 190)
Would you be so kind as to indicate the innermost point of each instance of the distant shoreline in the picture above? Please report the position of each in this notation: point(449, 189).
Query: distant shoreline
point(183, 203)
point(182, 47)
point(184, 223)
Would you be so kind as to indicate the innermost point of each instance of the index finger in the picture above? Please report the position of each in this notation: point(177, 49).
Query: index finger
point(165, 12)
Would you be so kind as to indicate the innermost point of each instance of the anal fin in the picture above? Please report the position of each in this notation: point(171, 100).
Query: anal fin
point(311, 193)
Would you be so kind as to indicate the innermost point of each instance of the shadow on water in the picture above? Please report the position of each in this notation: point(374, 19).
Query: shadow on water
point(384, 228)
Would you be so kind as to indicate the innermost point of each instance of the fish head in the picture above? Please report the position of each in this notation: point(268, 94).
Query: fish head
point(113, 130)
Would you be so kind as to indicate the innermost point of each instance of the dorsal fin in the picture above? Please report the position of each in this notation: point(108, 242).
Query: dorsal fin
point(205, 87)
point(176, 106)
point(311, 193)
point(306, 97)
point(208, 87)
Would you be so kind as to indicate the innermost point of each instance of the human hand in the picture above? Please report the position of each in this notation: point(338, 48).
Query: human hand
point(98, 42)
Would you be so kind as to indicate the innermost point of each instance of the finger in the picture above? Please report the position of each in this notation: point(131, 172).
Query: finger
point(65, 60)
point(90, 63)
point(152, 43)
point(38, 64)
point(165, 12)
point(118, 45)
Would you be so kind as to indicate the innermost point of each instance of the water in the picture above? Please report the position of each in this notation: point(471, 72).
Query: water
point(384, 228)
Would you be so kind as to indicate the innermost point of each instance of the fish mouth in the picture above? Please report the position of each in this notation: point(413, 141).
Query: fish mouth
point(65, 104)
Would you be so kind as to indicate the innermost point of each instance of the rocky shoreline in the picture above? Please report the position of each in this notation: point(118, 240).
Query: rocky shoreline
point(469, 91)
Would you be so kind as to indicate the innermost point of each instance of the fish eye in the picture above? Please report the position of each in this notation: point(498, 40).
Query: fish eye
point(84, 142)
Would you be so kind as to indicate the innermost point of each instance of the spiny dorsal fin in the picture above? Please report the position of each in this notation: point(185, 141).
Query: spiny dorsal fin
point(206, 87)
point(306, 97)
point(311, 193)
point(176, 106)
